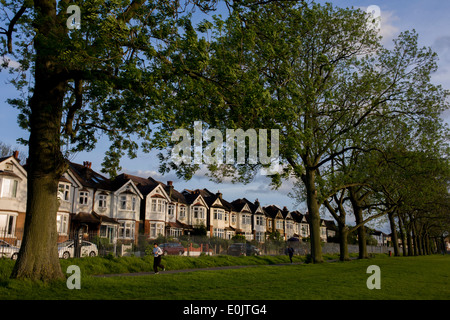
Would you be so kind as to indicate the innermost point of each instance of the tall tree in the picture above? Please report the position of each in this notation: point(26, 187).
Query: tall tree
point(87, 81)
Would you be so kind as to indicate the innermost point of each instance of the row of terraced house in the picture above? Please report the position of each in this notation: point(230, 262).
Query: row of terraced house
point(127, 206)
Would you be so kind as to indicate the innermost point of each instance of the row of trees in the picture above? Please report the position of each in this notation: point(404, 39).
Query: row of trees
point(360, 127)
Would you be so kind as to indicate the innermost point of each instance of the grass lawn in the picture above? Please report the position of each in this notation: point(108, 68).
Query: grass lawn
point(423, 277)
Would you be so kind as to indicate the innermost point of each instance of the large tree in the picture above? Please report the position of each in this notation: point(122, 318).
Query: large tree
point(77, 84)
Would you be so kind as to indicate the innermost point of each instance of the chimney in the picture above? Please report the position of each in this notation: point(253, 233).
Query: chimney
point(170, 184)
point(257, 202)
point(219, 194)
point(16, 155)
point(87, 164)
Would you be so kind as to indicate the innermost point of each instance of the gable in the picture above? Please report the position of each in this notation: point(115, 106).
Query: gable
point(159, 192)
point(199, 201)
point(10, 164)
point(129, 186)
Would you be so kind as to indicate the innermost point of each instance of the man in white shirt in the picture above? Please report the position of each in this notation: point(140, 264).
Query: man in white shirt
point(157, 253)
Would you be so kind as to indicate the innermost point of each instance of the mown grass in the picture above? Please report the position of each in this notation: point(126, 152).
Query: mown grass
point(424, 278)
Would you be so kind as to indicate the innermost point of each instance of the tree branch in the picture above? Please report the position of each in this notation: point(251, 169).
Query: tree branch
point(12, 23)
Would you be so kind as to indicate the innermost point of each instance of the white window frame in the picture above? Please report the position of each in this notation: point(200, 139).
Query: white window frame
point(102, 201)
point(62, 223)
point(219, 233)
point(158, 205)
point(156, 229)
point(123, 201)
point(246, 219)
point(171, 210)
point(199, 212)
point(126, 230)
point(83, 198)
point(279, 224)
point(182, 212)
point(259, 220)
point(9, 188)
point(218, 214)
point(64, 188)
point(9, 229)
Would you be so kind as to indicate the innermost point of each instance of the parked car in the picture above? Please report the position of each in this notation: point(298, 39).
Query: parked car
point(243, 249)
point(66, 249)
point(172, 248)
point(8, 251)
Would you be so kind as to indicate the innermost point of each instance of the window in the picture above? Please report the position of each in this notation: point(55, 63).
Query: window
point(107, 231)
point(182, 212)
point(176, 232)
point(171, 210)
point(7, 224)
point(126, 229)
point(270, 223)
point(64, 191)
point(133, 203)
point(246, 219)
point(259, 220)
point(289, 226)
point(199, 213)
point(305, 230)
point(123, 202)
point(259, 236)
point(219, 233)
point(279, 224)
point(84, 197)
point(156, 229)
point(62, 221)
point(102, 201)
point(158, 205)
point(9, 188)
point(218, 214)
point(233, 218)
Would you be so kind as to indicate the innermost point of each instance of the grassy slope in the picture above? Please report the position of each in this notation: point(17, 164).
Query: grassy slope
point(401, 278)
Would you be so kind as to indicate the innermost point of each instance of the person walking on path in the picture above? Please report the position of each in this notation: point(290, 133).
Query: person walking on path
point(157, 253)
point(290, 252)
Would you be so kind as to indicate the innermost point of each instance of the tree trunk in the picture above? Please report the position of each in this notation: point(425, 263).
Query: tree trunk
point(394, 237)
point(402, 234)
point(343, 242)
point(38, 256)
point(358, 212)
point(414, 237)
point(314, 215)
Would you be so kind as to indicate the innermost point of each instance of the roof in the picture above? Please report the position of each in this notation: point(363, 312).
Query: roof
point(95, 218)
point(272, 211)
point(89, 178)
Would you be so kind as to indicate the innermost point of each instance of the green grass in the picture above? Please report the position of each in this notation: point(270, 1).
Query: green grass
point(424, 277)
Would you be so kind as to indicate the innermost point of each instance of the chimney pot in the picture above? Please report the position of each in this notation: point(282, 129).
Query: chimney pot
point(169, 183)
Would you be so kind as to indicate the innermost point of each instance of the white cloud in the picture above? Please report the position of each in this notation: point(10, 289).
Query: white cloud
point(10, 63)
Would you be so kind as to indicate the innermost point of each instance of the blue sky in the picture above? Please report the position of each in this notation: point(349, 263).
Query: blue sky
point(429, 18)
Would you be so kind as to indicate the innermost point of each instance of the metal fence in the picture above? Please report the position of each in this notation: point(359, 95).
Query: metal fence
point(140, 245)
